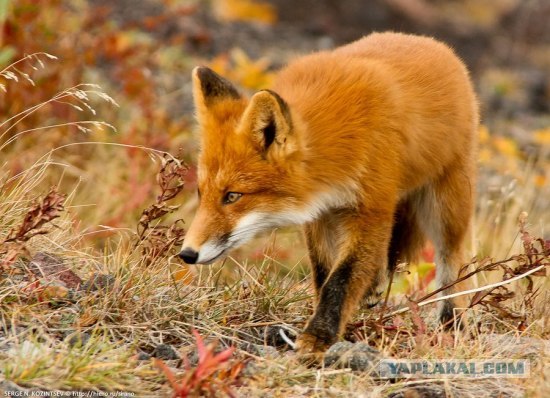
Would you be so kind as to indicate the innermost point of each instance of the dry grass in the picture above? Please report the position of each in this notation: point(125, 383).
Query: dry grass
point(84, 336)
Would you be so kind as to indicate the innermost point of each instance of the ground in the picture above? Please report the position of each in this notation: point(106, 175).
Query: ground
point(97, 186)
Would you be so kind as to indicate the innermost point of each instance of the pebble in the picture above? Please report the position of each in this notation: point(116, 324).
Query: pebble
point(165, 351)
point(78, 338)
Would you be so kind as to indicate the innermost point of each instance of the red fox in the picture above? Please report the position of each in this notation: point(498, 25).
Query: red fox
point(370, 147)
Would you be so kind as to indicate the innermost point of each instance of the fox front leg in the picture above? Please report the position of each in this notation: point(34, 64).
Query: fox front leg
point(363, 255)
point(323, 240)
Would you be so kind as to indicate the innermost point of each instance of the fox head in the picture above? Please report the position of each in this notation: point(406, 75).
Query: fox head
point(249, 168)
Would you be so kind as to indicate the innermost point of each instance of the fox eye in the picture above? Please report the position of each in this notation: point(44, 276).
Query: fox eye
point(231, 197)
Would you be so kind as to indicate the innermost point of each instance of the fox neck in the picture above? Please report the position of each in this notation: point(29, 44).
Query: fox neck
point(326, 189)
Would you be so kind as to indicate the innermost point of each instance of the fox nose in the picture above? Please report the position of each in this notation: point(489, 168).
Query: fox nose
point(189, 255)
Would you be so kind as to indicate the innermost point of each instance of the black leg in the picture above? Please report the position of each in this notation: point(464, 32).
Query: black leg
point(326, 322)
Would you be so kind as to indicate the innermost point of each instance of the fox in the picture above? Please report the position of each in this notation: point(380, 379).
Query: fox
point(369, 147)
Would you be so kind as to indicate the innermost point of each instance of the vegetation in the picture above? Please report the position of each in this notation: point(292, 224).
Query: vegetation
point(97, 179)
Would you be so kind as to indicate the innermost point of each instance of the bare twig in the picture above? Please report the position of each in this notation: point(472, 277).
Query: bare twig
point(492, 286)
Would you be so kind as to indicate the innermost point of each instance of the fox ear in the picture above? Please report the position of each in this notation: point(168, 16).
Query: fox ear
point(268, 119)
point(209, 87)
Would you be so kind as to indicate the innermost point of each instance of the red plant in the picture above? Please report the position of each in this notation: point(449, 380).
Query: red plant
point(157, 240)
point(38, 216)
point(212, 374)
point(48, 209)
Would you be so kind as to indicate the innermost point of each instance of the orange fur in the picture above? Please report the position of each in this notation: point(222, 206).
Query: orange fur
point(371, 147)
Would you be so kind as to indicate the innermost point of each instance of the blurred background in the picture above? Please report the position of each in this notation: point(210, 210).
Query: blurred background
point(95, 93)
point(141, 54)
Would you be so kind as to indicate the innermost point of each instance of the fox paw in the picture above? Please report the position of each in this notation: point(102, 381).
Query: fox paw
point(311, 348)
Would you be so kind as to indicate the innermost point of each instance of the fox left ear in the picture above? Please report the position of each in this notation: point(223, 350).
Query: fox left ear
point(209, 88)
point(268, 119)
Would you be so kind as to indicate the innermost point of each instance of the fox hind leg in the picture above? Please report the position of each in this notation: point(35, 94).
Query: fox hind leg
point(445, 211)
point(407, 240)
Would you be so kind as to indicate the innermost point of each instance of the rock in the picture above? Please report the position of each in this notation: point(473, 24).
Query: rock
point(52, 268)
point(99, 282)
point(78, 338)
point(143, 356)
point(251, 369)
point(264, 351)
point(165, 351)
point(8, 388)
point(420, 391)
point(357, 356)
point(461, 388)
point(519, 347)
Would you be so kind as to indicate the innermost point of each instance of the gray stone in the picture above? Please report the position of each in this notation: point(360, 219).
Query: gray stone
point(420, 391)
point(518, 347)
point(78, 339)
point(143, 356)
point(99, 282)
point(251, 369)
point(7, 386)
point(460, 388)
point(357, 356)
point(264, 351)
point(165, 351)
